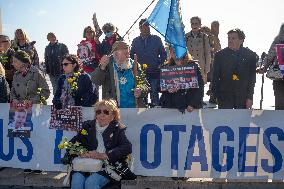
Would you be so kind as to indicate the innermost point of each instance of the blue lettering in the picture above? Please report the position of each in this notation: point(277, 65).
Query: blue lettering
point(144, 145)
point(57, 152)
point(175, 129)
point(226, 149)
point(243, 148)
point(10, 154)
point(272, 149)
point(29, 155)
point(196, 134)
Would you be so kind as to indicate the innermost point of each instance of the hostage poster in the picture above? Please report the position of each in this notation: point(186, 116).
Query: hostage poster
point(180, 77)
point(20, 124)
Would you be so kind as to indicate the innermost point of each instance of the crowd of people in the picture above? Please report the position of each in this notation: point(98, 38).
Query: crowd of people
point(127, 74)
point(110, 63)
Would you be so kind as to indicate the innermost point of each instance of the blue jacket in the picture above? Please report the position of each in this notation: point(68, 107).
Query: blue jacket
point(149, 51)
point(84, 96)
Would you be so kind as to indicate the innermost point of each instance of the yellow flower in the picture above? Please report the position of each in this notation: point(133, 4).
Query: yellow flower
point(144, 66)
point(84, 132)
point(60, 146)
point(70, 80)
point(77, 74)
point(66, 144)
point(235, 77)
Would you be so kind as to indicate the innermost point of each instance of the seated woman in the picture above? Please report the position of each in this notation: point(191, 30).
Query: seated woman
point(28, 81)
point(74, 86)
point(182, 99)
point(104, 139)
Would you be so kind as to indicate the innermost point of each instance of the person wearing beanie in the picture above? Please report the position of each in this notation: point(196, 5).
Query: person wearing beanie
point(111, 36)
point(28, 81)
point(115, 75)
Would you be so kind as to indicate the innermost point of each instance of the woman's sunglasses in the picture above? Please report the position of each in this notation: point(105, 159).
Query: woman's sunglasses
point(98, 112)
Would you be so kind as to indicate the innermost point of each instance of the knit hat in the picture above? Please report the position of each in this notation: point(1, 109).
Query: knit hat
point(22, 56)
point(119, 45)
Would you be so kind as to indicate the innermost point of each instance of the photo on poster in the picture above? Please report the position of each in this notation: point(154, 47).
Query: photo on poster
point(86, 55)
point(20, 123)
point(280, 56)
point(180, 77)
point(69, 119)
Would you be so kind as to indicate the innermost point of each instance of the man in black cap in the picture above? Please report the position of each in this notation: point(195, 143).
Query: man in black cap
point(150, 51)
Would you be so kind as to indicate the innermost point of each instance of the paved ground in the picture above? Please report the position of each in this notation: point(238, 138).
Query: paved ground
point(16, 179)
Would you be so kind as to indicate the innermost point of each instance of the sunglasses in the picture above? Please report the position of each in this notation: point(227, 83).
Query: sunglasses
point(66, 64)
point(98, 112)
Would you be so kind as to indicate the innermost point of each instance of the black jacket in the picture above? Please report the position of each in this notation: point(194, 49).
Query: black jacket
point(53, 56)
point(228, 62)
point(184, 97)
point(116, 143)
point(4, 90)
point(85, 95)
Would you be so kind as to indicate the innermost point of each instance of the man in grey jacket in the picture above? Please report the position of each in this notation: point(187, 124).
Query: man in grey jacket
point(117, 79)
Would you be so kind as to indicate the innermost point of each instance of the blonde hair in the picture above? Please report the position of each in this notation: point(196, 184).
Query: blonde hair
point(111, 105)
point(2, 70)
point(16, 41)
point(187, 58)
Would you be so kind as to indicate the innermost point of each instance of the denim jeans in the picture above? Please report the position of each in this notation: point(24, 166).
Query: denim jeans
point(154, 92)
point(94, 181)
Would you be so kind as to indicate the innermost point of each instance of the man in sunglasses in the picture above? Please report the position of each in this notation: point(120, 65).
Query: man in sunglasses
point(6, 53)
point(115, 75)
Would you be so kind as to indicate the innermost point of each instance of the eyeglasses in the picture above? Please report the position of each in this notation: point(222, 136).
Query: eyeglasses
point(98, 112)
point(66, 64)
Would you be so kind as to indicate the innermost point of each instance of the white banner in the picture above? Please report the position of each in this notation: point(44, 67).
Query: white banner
point(233, 144)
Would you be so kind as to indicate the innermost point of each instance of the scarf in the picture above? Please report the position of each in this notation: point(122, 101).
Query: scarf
point(66, 96)
point(99, 135)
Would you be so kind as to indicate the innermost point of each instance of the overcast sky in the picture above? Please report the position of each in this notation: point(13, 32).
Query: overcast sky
point(260, 19)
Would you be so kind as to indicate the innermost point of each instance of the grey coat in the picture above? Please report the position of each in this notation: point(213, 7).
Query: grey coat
point(105, 78)
point(25, 88)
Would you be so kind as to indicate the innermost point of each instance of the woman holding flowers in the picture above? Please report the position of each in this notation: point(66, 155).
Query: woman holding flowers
point(74, 86)
point(104, 139)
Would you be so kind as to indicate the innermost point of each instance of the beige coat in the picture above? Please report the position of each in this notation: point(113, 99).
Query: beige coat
point(199, 48)
point(25, 88)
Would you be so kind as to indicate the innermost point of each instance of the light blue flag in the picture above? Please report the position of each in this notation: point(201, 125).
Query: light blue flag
point(166, 19)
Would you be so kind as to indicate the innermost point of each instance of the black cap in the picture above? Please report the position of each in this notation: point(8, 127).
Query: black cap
point(143, 22)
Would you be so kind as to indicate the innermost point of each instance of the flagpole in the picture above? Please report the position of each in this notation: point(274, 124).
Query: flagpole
point(138, 18)
point(133, 24)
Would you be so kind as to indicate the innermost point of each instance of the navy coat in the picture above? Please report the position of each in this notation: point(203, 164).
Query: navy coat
point(85, 95)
